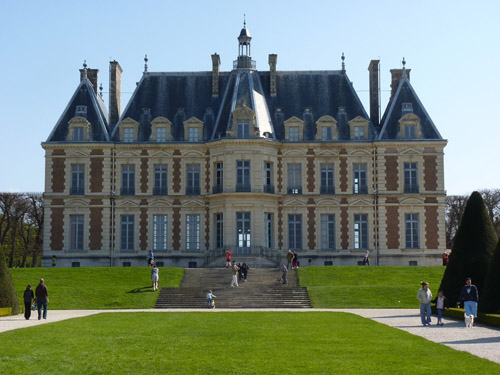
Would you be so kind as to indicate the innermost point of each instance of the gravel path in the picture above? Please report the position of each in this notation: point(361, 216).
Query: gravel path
point(481, 341)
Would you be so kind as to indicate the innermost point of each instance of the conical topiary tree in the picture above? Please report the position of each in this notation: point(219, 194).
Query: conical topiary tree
point(489, 299)
point(472, 251)
point(8, 297)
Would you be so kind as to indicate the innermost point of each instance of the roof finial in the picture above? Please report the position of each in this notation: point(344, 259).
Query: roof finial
point(404, 63)
point(84, 73)
point(343, 63)
point(244, 21)
point(145, 63)
point(100, 90)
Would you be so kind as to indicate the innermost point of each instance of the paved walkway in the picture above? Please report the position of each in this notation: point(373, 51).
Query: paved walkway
point(481, 341)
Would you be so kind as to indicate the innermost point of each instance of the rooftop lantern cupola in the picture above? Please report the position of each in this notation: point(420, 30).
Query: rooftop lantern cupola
point(244, 55)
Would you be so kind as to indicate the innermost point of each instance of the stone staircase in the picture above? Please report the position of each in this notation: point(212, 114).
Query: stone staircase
point(262, 290)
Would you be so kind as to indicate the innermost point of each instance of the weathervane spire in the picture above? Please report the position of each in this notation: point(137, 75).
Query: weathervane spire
point(145, 63)
point(343, 62)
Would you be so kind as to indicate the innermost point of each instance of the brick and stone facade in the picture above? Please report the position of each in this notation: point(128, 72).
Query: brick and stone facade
point(243, 171)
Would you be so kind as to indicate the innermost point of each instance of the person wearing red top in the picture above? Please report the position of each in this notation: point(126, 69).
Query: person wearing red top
point(228, 258)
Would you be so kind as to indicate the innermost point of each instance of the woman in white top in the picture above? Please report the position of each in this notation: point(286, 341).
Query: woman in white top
point(154, 277)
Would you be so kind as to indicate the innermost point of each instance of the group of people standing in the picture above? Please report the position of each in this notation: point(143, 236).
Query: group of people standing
point(292, 259)
point(39, 299)
point(468, 295)
point(240, 272)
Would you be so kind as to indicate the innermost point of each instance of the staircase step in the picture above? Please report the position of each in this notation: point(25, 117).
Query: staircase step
point(262, 290)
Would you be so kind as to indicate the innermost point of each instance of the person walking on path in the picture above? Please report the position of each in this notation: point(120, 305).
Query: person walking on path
point(151, 258)
point(469, 296)
point(424, 295)
point(244, 269)
point(42, 299)
point(284, 272)
point(289, 258)
point(155, 277)
point(228, 258)
point(210, 300)
point(441, 303)
point(234, 270)
point(366, 259)
point(28, 297)
point(295, 260)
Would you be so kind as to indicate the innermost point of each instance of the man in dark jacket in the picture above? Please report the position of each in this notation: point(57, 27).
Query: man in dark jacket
point(469, 296)
point(28, 299)
point(42, 299)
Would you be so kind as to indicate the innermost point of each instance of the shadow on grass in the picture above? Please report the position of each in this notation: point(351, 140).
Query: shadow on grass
point(144, 289)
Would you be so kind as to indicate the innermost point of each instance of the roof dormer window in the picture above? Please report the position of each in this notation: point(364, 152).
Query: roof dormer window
point(326, 133)
point(193, 134)
point(294, 129)
point(128, 135)
point(409, 132)
point(78, 133)
point(81, 110)
point(161, 134)
point(359, 127)
point(243, 129)
point(359, 132)
point(293, 133)
point(326, 128)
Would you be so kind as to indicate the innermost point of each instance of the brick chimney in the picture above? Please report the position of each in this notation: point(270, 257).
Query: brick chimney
point(396, 75)
point(273, 60)
point(91, 76)
point(115, 85)
point(374, 77)
point(215, 74)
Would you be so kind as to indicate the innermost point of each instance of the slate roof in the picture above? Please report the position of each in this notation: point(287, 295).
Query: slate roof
point(96, 115)
point(307, 95)
point(390, 120)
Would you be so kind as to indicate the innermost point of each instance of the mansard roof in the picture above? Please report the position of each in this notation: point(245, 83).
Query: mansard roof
point(390, 120)
point(308, 95)
point(175, 96)
point(96, 115)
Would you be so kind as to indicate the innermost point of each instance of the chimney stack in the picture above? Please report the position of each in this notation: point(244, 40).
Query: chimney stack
point(273, 60)
point(396, 75)
point(374, 77)
point(115, 85)
point(215, 74)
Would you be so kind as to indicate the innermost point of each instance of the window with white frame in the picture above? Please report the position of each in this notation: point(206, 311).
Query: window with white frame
point(78, 133)
point(193, 179)
point(295, 232)
point(128, 135)
point(359, 172)
point(293, 133)
point(361, 231)
point(294, 178)
point(243, 230)
point(160, 180)
point(327, 232)
point(359, 132)
point(412, 231)
point(128, 180)
point(409, 131)
point(193, 232)
point(160, 227)
point(411, 178)
point(77, 179)
point(193, 134)
point(161, 134)
point(268, 230)
point(219, 230)
point(76, 232)
point(127, 232)
point(243, 128)
point(327, 179)
point(268, 177)
point(219, 177)
point(243, 175)
point(326, 133)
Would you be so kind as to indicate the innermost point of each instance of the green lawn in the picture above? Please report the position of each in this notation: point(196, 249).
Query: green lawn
point(228, 343)
point(96, 288)
point(367, 287)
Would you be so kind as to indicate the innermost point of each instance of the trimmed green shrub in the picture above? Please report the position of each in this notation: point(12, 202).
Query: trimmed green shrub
point(8, 297)
point(492, 320)
point(472, 251)
point(489, 299)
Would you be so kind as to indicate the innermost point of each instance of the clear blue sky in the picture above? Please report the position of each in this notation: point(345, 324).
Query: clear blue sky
point(451, 47)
